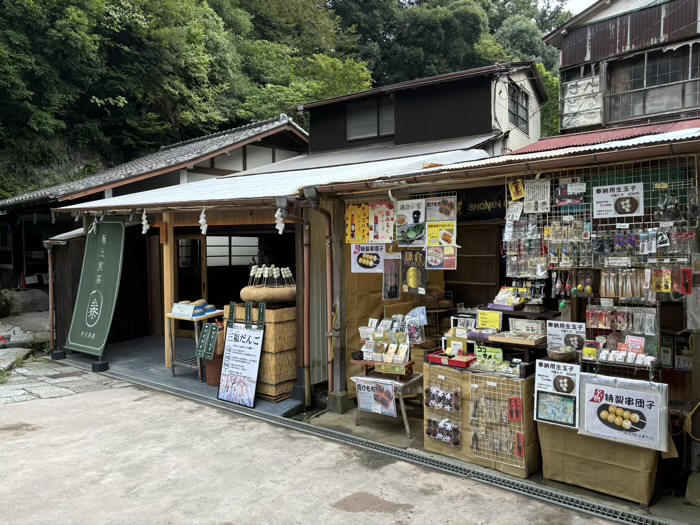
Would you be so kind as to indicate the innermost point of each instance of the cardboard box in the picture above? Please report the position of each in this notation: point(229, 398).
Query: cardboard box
point(607, 467)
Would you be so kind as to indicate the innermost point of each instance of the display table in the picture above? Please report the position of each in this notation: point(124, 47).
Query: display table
point(403, 370)
point(407, 386)
point(190, 362)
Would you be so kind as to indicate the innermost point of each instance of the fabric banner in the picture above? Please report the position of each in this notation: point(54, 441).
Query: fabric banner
point(98, 288)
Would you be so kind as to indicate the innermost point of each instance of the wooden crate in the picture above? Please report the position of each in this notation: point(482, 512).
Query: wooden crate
point(272, 391)
point(272, 315)
point(278, 367)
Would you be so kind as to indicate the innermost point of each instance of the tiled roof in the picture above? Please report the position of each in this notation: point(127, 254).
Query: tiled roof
point(188, 151)
point(606, 135)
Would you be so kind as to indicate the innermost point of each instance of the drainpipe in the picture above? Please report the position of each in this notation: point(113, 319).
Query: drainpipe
point(307, 317)
point(312, 195)
point(282, 204)
point(52, 317)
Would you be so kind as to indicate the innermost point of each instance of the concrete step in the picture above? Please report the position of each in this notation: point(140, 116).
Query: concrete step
point(8, 355)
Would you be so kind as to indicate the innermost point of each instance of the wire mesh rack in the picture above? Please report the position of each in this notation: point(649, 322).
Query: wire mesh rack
point(496, 425)
point(652, 219)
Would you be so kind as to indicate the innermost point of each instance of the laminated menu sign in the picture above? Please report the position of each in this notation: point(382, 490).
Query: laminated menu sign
point(440, 209)
point(357, 223)
point(375, 396)
point(625, 410)
point(410, 223)
point(413, 268)
point(239, 370)
point(557, 393)
point(381, 222)
point(537, 196)
point(564, 333)
point(441, 258)
point(367, 258)
point(442, 233)
point(623, 200)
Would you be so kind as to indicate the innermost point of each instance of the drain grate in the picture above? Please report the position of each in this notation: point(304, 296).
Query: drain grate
point(494, 479)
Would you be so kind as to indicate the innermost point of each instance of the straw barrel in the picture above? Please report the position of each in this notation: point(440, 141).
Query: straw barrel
point(265, 294)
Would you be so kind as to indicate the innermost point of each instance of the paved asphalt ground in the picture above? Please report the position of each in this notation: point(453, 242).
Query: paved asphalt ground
point(131, 455)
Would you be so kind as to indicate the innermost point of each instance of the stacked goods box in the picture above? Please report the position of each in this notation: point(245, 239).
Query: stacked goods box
point(487, 390)
point(612, 468)
point(278, 362)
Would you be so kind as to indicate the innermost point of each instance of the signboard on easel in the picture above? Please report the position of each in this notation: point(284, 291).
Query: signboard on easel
point(239, 370)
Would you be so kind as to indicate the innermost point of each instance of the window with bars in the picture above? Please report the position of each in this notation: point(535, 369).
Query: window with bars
point(370, 118)
point(228, 250)
point(654, 83)
point(518, 104)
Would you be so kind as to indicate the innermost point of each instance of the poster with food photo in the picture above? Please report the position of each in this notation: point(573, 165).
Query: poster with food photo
point(442, 234)
point(413, 269)
point(623, 200)
point(556, 393)
point(441, 209)
point(367, 258)
point(381, 222)
point(357, 223)
point(628, 411)
point(410, 223)
point(441, 258)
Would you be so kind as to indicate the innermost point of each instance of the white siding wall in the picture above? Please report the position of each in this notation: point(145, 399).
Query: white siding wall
point(517, 139)
point(233, 161)
point(257, 156)
point(282, 154)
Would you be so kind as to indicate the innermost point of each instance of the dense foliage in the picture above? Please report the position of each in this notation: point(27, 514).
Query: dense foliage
point(88, 83)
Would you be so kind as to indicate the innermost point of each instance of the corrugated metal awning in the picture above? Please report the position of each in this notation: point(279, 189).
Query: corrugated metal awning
point(258, 188)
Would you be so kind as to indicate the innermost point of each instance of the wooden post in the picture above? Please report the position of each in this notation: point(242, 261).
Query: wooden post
point(169, 264)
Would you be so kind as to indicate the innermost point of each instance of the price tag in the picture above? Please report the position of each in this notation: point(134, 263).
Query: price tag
point(527, 326)
point(486, 319)
point(666, 224)
point(618, 262)
point(421, 291)
point(461, 333)
point(441, 378)
point(661, 186)
point(567, 218)
point(184, 311)
point(607, 302)
point(667, 261)
point(492, 384)
point(622, 226)
point(489, 353)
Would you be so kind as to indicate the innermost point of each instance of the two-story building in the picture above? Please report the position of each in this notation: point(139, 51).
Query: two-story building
point(365, 140)
point(629, 62)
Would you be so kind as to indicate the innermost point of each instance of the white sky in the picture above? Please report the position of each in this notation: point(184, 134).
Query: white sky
point(576, 6)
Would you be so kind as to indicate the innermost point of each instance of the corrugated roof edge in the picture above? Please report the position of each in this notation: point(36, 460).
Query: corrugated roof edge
point(688, 135)
point(445, 77)
point(46, 194)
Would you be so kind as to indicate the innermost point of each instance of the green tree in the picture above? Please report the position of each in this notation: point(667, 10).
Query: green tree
point(305, 25)
point(549, 111)
point(522, 39)
point(317, 77)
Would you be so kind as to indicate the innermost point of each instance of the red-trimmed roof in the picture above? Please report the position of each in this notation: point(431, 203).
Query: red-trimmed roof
point(606, 135)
